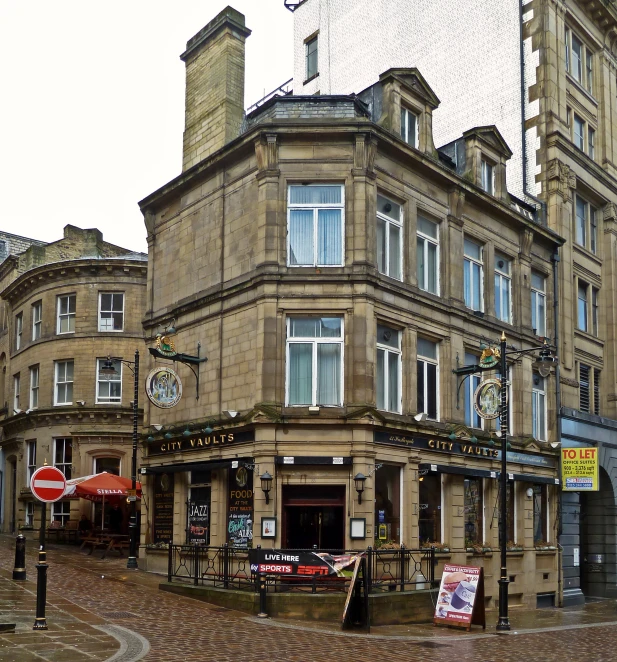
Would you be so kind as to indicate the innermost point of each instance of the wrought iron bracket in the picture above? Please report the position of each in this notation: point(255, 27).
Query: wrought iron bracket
point(191, 361)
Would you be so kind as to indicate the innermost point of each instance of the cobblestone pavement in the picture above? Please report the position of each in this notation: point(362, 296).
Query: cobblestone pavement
point(97, 610)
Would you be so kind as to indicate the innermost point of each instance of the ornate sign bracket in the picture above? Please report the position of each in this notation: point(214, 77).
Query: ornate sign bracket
point(165, 349)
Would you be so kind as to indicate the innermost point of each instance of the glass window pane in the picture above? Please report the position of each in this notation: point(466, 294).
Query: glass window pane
point(303, 327)
point(388, 208)
point(537, 281)
point(330, 327)
point(473, 250)
point(473, 511)
point(329, 236)
point(477, 283)
point(328, 374)
point(393, 382)
point(467, 283)
point(541, 320)
point(431, 390)
point(427, 349)
point(315, 195)
point(420, 384)
point(427, 227)
point(395, 251)
point(429, 518)
point(301, 236)
point(381, 380)
point(300, 374)
point(432, 268)
point(381, 246)
point(388, 336)
point(420, 263)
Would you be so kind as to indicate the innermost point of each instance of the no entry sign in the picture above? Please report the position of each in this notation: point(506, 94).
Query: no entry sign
point(48, 484)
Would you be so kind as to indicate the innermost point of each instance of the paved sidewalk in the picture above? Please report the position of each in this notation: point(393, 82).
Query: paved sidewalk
point(98, 610)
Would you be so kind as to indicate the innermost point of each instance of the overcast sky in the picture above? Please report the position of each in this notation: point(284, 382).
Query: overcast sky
point(93, 105)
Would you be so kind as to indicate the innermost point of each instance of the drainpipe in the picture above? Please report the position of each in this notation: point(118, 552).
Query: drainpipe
point(556, 259)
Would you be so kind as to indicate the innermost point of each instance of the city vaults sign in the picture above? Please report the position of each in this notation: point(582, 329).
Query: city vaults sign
point(200, 442)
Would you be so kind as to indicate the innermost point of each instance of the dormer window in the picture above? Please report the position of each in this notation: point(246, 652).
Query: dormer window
point(488, 177)
point(409, 127)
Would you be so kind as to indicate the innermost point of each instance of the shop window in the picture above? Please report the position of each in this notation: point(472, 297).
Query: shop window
point(389, 238)
point(61, 512)
point(311, 56)
point(503, 289)
point(109, 464)
point(314, 361)
point(37, 320)
point(474, 534)
point(472, 419)
point(30, 460)
point(19, 328)
point(427, 378)
point(63, 456)
point(540, 518)
point(538, 304)
point(538, 408)
point(427, 247)
point(429, 517)
point(388, 504)
point(108, 385)
point(111, 311)
point(473, 275)
point(315, 226)
point(66, 313)
point(63, 391)
point(388, 369)
point(34, 387)
point(409, 127)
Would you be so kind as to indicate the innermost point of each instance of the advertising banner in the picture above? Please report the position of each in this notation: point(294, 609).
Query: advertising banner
point(460, 601)
point(282, 562)
point(199, 522)
point(579, 469)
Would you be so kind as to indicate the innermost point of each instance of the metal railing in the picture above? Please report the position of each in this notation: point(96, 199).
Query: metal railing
point(230, 568)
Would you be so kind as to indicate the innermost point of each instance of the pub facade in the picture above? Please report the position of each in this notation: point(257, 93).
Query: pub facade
point(318, 274)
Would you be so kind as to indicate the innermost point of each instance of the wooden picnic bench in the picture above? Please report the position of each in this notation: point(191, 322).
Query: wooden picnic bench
point(110, 542)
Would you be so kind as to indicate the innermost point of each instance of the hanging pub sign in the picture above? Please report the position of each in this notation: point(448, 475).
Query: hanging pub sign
point(163, 508)
point(163, 387)
point(460, 602)
point(198, 527)
point(240, 509)
point(487, 399)
point(579, 468)
point(489, 358)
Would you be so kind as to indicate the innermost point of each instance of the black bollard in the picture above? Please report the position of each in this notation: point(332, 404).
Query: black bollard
point(262, 596)
point(19, 571)
point(40, 622)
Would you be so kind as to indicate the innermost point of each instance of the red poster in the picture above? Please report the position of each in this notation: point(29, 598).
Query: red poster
point(460, 600)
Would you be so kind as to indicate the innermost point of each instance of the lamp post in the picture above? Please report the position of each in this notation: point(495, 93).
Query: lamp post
point(108, 368)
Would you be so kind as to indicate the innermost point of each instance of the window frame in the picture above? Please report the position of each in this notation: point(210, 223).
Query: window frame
point(19, 330)
point(37, 320)
point(57, 382)
point(426, 361)
point(478, 539)
point(61, 512)
point(390, 221)
point(107, 400)
point(387, 351)
point(540, 515)
point(487, 176)
point(65, 465)
point(406, 114)
point(30, 459)
point(315, 207)
point(17, 392)
point(426, 240)
point(538, 295)
point(311, 57)
point(539, 406)
point(503, 278)
point(35, 378)
point(60, 317)
point(29, 513)
point(314, 342)
point(111, 312)
point(583, 74)
point(582, 305)
point(473, 261)
point(586, 225)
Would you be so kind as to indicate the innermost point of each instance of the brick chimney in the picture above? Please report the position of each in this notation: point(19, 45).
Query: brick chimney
point(214, 107)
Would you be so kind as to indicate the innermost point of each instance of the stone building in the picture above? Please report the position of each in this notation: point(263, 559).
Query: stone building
point(69, 305)
point(545, 73)
point(334, 273)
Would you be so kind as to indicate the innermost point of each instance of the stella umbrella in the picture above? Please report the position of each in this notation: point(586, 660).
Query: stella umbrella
point(100, 488)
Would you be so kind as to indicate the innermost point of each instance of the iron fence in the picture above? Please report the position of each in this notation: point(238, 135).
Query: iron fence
point(230, 568)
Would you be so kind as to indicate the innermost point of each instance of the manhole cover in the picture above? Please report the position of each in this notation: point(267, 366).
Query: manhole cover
point(118, 614)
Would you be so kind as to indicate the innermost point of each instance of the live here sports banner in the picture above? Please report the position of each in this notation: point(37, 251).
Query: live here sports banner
point(282, 562)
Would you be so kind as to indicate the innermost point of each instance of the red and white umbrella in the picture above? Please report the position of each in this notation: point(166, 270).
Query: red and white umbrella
point(100, 487)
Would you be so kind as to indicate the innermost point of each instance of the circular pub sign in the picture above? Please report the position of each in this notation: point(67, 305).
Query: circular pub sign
point(487, 399)
point(163, 387)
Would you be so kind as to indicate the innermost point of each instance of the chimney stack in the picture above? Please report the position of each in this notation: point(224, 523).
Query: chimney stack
point(214, 107)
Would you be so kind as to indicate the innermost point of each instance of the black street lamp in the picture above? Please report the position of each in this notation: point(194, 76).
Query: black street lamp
point(108, 368)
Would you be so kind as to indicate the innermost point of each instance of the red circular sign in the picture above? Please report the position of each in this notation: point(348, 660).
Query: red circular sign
point(48, 484)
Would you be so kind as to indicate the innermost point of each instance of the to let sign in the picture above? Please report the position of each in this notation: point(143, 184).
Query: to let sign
point(48, 484)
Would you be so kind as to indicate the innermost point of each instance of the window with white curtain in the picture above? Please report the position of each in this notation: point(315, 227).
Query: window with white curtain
point(538, 303)
point(427, 247)
point(472, 419)
point(503, 289)
point(427, 378)
point(314, 361)
point(315, 226)
point(389, 238)
point(538, 408)
point(388, 369)
point(473, 275)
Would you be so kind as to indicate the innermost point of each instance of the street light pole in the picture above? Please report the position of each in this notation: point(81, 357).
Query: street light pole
point(503, 624)
point(132, 560)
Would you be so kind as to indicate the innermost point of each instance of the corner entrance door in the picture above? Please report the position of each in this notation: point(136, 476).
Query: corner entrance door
point(313, 516)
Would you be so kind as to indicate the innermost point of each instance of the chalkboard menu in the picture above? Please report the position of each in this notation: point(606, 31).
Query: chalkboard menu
point(163, 508)
point(240, 509)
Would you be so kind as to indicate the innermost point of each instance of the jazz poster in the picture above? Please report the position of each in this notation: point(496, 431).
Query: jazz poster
point(460, 601)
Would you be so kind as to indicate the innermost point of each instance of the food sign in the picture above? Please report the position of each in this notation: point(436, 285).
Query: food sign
point(460, 601)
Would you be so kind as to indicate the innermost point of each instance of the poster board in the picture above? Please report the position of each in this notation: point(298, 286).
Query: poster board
point(579, 469)
point(163, 516)
point(460, 601)
point(198, 513)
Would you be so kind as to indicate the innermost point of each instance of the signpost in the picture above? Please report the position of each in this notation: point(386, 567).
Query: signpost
point(48, 485)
